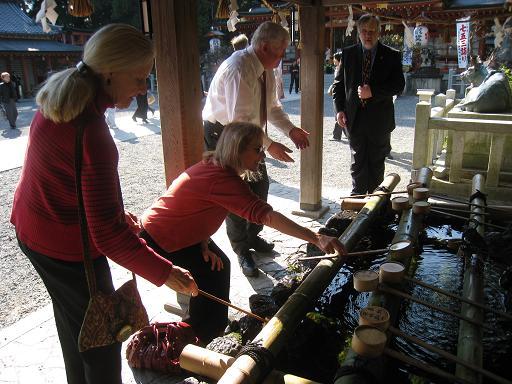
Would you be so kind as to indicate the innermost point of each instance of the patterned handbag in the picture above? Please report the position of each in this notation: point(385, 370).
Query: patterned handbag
point(109, 318)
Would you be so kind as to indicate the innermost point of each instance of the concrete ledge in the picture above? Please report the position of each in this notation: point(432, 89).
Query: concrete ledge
point(316, 214)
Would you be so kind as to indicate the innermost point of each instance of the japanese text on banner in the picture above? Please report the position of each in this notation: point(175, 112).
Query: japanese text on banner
point(463, 42)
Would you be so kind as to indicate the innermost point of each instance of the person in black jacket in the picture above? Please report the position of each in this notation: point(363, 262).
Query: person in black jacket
point(8, 98)
point(363, 99)
point(294, 76)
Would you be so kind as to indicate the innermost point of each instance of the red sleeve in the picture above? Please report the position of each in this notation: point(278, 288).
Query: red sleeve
point(234, 194)
point(104, 209)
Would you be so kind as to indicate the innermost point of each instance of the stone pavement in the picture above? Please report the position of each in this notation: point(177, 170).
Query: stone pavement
point(29, 349)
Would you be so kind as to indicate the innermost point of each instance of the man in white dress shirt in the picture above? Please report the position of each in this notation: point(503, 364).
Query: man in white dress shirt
point(235, 94)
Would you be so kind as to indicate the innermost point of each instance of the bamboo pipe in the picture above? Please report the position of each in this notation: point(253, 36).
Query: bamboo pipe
point(396, 292)
point(461, 298)
point(469, 346)
point(465, 218)
point(227, 303)
point(275, 333)
point(424, 367)
point(212, 364)
point(361, 253)
point(373, 194)
point(448, 355)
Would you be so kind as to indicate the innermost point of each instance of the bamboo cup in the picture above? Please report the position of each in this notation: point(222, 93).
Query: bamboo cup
point(400, 203)
point(374, 316)
point(421, 207)
point(368, 341)
point(401, 249)
point(366, 281)
point(391, 272)
point(420, 193)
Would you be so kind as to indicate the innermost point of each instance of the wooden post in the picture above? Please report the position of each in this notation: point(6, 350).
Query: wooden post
point(457, 151)
point(312, 107)
point(275, 333)
point(495, 159)
point(177, 66)
point(420, 147)
point(469, 346)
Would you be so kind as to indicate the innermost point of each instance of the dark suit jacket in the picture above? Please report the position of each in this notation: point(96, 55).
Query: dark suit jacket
point(386, 80)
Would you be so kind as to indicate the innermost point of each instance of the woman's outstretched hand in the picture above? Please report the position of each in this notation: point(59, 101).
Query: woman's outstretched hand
point(330, 244)
point(180, 280)
point(210, 256)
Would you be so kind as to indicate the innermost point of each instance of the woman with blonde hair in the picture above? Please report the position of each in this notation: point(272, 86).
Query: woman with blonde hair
point(116, 61)
point(179, 224)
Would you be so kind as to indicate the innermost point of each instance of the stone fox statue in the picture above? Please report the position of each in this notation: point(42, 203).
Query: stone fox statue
point(490, 92)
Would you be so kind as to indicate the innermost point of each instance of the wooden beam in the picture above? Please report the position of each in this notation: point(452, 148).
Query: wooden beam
point(312, 105)
point(179, 87)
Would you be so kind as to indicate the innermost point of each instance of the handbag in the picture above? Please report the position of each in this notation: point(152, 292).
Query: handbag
point(159, 345)
point(109, 318)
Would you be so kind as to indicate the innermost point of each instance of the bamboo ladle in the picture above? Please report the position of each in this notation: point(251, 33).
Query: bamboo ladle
point(448, 355)
point(396, 292)
point(457, 297)
point(227, 303)
point(360, 253)
point(465, 218)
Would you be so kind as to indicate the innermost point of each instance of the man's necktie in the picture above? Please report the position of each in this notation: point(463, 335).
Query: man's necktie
point(367, 68)
point(263, 102)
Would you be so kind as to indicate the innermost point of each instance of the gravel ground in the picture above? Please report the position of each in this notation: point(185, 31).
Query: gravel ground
point(141, 161)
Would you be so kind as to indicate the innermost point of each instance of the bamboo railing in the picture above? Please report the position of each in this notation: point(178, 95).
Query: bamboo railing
point(434, 132)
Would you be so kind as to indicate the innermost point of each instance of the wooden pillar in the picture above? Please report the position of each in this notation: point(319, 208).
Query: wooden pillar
point(312, 21)
point(177, 70)
point(26, 77)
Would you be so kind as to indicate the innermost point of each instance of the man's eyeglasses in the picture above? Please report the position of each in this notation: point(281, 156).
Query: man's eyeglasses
point(260, 149)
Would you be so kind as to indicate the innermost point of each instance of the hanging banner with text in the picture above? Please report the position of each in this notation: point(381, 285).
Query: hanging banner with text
point(408, 45)
point(463, 42)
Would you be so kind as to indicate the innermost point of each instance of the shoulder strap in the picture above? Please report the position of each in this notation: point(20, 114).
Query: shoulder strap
point(89, 269)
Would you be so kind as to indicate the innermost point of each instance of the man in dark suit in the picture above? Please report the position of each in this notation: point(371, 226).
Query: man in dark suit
point(371, 74)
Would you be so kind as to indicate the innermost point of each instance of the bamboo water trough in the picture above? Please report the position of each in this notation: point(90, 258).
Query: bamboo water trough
point(275, 333)
point(408, 230)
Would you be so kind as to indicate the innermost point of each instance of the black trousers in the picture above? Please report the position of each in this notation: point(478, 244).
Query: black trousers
point(207, 317)
point(241, 233)
point(294, 80)
point(66, 283)
point(369, 148)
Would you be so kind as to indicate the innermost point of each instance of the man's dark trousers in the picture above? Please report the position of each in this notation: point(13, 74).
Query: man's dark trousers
point(368, 149)
point(241, 233)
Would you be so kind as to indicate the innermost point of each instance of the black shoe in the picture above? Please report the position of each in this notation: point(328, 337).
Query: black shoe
point(134, 118)
point(336, 138)
point(261, 245)
point(247, 264)
point(145, 121)
point(13, 126)
point(389, 156)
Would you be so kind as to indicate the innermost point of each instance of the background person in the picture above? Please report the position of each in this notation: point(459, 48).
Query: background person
point(238, 92)
point(116, 61)
point(179, 224)
point(370, 76)
point(294, 76)
point(338, 131)
point(8, 97)
point(239, 42)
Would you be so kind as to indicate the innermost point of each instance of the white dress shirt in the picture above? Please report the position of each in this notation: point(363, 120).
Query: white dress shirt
point(235, 94)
